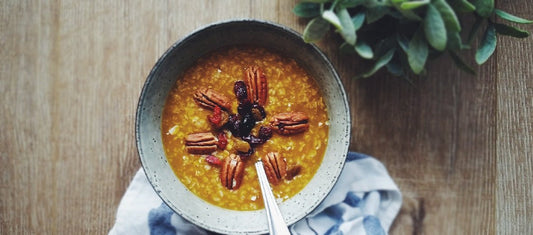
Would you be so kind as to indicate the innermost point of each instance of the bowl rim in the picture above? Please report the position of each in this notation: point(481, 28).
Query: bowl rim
point(151, 76)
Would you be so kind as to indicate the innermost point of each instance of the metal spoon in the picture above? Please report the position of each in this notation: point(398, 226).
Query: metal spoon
point(276, 224)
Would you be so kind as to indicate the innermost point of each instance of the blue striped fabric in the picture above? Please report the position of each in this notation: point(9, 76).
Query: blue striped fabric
point(364, 201)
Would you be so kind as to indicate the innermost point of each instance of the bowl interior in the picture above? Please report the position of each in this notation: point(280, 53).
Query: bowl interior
point(181, 56)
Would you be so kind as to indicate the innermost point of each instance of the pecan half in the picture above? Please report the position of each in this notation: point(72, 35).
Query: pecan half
point(275, 167)
point(232, 172)
point(201, 143)
point(289, 123)
point(208, 98)
point(256, 85)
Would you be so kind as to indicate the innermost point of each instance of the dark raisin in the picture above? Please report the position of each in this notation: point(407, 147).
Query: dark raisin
point(234, 124)
point(240, 91)
point(265, 133)
point(252, 140)
point(245, 107)
point(248, 122)
point(245, 156)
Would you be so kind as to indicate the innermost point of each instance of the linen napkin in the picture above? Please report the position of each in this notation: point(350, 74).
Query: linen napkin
point(365, 200)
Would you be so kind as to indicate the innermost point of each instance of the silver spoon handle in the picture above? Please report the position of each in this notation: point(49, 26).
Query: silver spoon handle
point(276, 224)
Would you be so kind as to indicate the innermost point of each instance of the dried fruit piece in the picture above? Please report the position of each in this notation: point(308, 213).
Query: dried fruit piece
point(213, 160)
point(246, 155)
point(293, 172)
point(244, 108)
point(252, 140)
point(248, 123)
point(289, 123)
point(209, 99)
point(222, 141)
point(201, 143)
point(259, 112)
point(242, 146)
point(219, 118)
point(234, 124)
point(240, 91)
point(265, 133)
point(232, 172)
point(256, 84)
point(275, 167)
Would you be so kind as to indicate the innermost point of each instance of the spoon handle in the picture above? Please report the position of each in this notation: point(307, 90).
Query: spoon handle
point(276, 224)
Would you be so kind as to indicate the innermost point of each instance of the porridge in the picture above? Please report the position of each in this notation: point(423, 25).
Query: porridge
point(236, 106)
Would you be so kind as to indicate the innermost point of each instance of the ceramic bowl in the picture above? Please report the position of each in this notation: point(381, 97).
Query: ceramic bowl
point(163, 76)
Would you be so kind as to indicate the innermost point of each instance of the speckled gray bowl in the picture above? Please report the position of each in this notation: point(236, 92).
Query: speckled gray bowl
point(164, 75)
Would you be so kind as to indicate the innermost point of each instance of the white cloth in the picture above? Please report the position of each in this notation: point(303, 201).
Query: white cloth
point(365, 200)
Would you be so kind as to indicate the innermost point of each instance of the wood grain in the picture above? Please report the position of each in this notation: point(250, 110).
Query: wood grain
point(514, 204)
point(459, 147)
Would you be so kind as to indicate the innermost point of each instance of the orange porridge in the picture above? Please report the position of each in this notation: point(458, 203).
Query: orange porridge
point(235, 106)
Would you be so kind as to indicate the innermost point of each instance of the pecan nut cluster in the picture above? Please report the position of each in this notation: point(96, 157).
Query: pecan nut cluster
point(251, 95)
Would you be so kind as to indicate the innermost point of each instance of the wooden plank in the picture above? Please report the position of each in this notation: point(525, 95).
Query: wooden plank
point(514, 205)
point(458, 146)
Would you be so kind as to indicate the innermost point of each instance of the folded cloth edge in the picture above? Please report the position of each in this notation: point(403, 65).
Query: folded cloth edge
point(126, 213)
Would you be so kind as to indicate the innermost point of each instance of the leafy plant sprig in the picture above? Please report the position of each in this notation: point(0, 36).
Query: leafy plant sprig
point(401, 35)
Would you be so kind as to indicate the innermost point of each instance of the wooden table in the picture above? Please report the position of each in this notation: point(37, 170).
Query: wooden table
point(459, 147)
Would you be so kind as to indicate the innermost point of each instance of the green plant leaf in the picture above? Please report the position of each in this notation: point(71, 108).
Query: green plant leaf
point(462, 6)
point(376, 13)
point(351, 3)
point(484, 8)
point(347, 30)
point(487, 45)
point(394, 67)
point(358, 20)
point(448, 15)
point(398, 1)
point(455, 42)
point(364, 50)
point(315, 29)
point(461, 64)
point(435, 29)
point(374, 3)
point(413, 4)
point(330, 16)
point(306, 9)
point(382, 61)
point(473, 31)
point(510, 31)
point(384, 46)
point(317, 1)
point(403, 42)
point(512, 18)
point(346, 48)
point(409, 14)
point(417, 52)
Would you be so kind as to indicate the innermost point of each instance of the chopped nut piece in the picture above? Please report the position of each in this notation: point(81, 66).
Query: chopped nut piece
point(232, 172)
point(208, 98)
point(275, 167)
point(201, 143)
point(290, 123)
